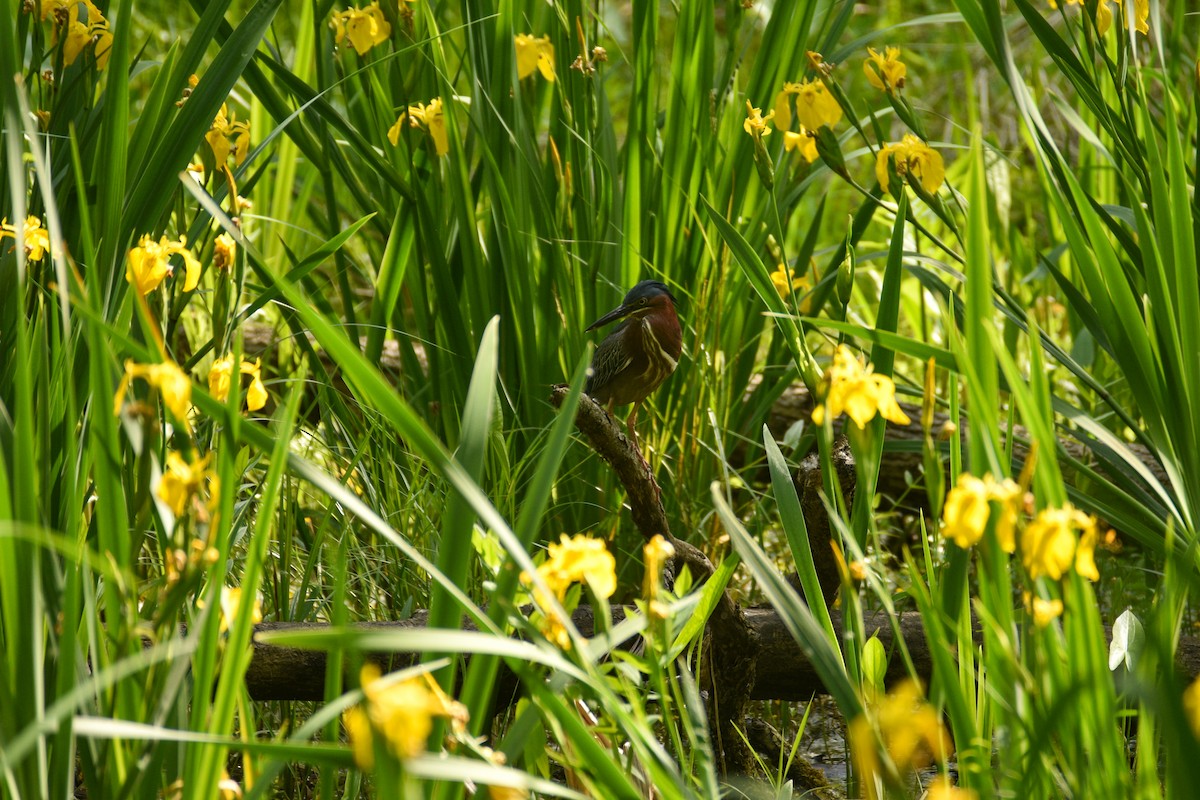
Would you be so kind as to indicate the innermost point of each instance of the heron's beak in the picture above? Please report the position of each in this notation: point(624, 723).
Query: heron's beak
point(616, 314)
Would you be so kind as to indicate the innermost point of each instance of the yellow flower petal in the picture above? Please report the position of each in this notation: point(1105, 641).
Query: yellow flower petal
point(534, 54)
point(219, 375)
point(783, 106)
point(358, 727)
point(256, 394)
point(393, 133)
point(806, 144)
point(78, 36)
point(1085, 554)
point(174, 386)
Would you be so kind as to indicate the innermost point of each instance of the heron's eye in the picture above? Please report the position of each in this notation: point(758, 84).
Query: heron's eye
point(644, 301)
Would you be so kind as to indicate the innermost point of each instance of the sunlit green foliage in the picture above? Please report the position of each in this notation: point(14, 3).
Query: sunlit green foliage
point(287, 285)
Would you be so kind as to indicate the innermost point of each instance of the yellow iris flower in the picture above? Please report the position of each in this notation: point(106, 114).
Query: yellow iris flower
point(885, 71)
point(76, 33)
point(786, 281)
point(912, 732)
point(431, 118)
point(755, 123)
point(1050, 546)
point(855, 390)
point(815, 105)
point(181, 480)
point(36, 238)
point(942, 789)
point(147, 264)
point(402, 713)
point(220, 376)
point(172, 383)
point(1044, 611)
point(226, 129)
point(365, 27)
point(224, 251)
point(573, 560)
point(913, 159)
point(534, 54)
point(231, 607)
point(968, 508)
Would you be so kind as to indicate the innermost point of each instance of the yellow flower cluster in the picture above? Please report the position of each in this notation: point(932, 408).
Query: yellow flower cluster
point(365, 27)
point(181, 480)
point(815, 106)
point(885, 71)
point(534, 54)
point(76, 34)
point(220, 375)
point(401, 712)
point(1056, 540)
point(35, 237)
point(914, 159)
point(855, 390)
point(968, 507)
point(430, 117)
point(226, 129)
point(1104, 13)
point(912, 732)
point(573, 560)
point(147, 264)
point(173, 385)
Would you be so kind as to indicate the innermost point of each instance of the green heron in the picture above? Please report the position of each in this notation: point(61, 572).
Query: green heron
point(640, 353)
